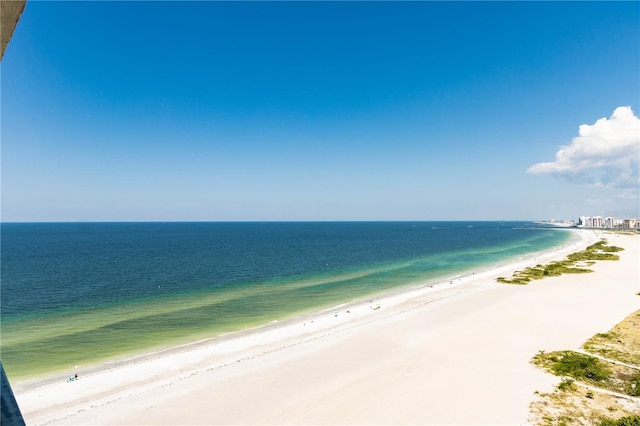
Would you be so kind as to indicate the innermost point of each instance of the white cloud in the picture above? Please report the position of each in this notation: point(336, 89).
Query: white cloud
point(605, 154)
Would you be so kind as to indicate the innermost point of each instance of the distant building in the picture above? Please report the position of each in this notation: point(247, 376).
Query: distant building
point(631, 223)
point(607, 223)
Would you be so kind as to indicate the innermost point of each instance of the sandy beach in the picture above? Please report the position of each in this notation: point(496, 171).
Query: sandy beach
point(454, 352)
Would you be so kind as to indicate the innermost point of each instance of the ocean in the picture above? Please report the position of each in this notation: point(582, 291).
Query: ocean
point(81, 293)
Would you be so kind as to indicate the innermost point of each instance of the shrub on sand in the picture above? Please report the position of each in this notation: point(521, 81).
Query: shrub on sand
point(623, 421)
point(580, 366)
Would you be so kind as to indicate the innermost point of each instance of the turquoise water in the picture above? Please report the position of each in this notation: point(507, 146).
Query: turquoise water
point(74, 294)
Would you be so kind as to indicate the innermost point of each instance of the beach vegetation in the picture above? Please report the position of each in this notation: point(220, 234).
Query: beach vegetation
point(621, 343)
point(547, 419)
point(606, 336)
point(592, 405)
point(584, 368)
point(553, 269)
point(580, 366)
point(586, 257)
point(601, 246)
point(622, 421)
point(632, 387)
point(567, 384)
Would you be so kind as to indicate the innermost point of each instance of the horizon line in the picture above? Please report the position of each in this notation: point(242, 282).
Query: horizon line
point(277, 221)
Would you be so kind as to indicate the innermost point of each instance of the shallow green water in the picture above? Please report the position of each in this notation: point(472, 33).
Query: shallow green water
point(75, 295)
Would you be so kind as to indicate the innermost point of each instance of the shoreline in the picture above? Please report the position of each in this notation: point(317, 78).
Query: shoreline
point(388, 298)
point(194, 316)
point(143, 377)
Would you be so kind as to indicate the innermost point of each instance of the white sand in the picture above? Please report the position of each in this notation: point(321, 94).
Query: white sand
point(453, 354)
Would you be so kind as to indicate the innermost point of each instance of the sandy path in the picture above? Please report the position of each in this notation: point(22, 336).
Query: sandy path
point(457, 356)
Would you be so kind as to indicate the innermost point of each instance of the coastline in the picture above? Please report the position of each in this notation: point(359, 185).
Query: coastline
point(243, 357)
point(388, 297)
point(141, 309)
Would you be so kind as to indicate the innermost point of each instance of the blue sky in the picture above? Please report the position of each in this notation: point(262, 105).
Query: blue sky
point(228, 111)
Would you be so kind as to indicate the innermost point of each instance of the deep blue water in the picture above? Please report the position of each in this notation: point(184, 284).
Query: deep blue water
point(121, 279)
